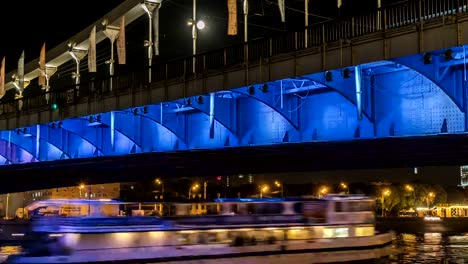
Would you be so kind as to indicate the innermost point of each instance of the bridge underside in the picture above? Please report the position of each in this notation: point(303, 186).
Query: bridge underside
point(362, 154)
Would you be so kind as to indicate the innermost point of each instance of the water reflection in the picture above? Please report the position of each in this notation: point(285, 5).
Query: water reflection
point(6, 250)
point(430, 248)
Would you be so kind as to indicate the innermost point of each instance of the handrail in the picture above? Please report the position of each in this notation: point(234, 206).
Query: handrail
point(387, 17)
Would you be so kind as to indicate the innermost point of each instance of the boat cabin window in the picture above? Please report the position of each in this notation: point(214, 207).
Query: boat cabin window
point(298, 208)
point(348, 206)
point(265, 208)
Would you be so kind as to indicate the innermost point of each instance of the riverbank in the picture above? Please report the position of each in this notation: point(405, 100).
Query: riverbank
point(420, 225)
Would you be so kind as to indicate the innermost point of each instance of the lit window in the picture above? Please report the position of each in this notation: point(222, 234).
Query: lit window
point(342, 232)
point(364, 231)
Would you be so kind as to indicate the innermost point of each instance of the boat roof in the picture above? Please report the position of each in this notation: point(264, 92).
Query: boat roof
point(292, 199)
point(48, 202)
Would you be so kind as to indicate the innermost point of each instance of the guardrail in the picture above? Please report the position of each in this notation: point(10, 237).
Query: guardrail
point(91, 88)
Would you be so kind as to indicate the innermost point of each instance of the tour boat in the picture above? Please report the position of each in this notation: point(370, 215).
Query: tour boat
point(335, 228)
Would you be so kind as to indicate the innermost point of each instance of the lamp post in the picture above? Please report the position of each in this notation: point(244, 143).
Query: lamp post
point(205, 184)
point(430, 196)
point(246, 39)
point(345, 187)
point(196, 25)
point(151, 7)
point(263, 189)
point(192, 188)
point(410, 189)
point(306, 23)
point(386, 192)
point(159, 182)
point(81, 187)
point(7, 206)
point(323, 191)
point(379, 15)
point(77, 55)
point(279, 185)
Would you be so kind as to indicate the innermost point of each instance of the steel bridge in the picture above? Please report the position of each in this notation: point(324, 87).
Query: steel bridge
point(379, 99)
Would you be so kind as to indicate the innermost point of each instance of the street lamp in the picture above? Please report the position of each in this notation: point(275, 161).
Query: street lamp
point(430, 196)
point(410, 189)
point(192, 188)
point(205, 184)
point(159, 182)
point(323, 191)
point(263, 189)
point(344, 186)
point(196, 25)
point(7, 217)
point(385, 192)
point(151, 7)
point(279, 185)
point(81, 187)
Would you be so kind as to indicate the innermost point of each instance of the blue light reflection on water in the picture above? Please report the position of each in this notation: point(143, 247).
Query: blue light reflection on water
point(408, 248)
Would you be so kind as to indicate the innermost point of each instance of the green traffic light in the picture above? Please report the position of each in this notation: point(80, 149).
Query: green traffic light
point(54, 106)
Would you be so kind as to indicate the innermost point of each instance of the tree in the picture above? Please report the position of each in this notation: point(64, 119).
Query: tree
point(392, 202)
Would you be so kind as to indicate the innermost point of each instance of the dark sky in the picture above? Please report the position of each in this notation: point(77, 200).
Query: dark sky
point(48, 21)
point(53, 22)
point(442, 175)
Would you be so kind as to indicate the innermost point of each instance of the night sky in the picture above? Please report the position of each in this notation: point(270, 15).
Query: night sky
point(442, 175)
point(53, 22)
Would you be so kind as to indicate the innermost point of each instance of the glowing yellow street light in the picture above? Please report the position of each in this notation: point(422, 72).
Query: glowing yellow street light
point(263, 189)
point(344, 186)
point(279, 185)
point(159, 182)
point(385, 192)
point(193, 188)
point(81, 187)
point(323, 191)
point(409, 188)
point(430, 197)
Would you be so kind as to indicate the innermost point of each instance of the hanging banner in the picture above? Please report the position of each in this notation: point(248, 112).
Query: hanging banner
point(338, 3)
point(2, 77)
point(21, 72)
point(156, 29)
point(121, 42)
point(232, 17)
point(42, 79)
point(282, 10)
point(92, 51)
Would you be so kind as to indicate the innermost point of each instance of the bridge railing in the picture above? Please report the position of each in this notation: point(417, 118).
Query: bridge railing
point(388, 17)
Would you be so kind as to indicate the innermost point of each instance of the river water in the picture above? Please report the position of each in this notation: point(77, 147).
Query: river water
point(430, 248)
point(407, 248)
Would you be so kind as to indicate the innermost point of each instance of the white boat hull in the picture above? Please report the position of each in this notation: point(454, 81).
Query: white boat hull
point(317, 250)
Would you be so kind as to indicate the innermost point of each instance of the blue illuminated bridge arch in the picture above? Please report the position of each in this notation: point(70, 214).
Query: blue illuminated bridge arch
point(419, 95)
